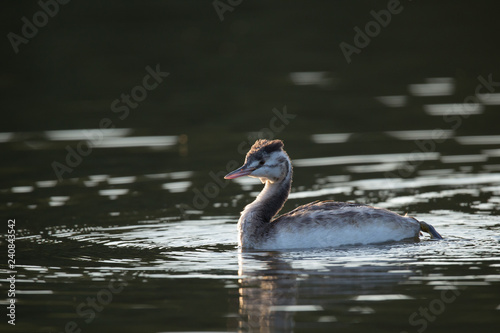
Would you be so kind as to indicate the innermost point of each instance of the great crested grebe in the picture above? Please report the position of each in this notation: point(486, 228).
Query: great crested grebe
point(317, 224)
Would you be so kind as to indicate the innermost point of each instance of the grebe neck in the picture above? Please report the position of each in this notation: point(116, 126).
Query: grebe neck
point(268, 203)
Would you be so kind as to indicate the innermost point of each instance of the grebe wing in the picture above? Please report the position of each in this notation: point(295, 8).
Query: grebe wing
point(341, 213)
point(317, 206)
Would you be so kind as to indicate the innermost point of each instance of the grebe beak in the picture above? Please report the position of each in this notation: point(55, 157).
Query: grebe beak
point(243, 171)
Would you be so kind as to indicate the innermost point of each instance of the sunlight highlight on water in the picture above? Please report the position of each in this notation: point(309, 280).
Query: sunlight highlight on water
point(433, 87)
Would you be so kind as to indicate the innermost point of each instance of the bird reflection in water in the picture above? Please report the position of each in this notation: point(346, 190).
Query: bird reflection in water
point(265, 293)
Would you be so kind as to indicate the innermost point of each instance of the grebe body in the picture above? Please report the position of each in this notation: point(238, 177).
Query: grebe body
point(318, 224)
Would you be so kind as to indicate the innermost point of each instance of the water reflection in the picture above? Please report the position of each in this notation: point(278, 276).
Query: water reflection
point(327, 286)
point(421, 134)
point(321, 79)
point(46, 183)
point(372, 158)
point(460, 109)
point(121, 180)
point(479, 140)
point(393, 101)
point(443, 86)
point(268, 295)
point(489, 99)
point(176, 187)
point(331, 138)
point(83, 134)
point(138, 141)
point(97, 138)
point(6, 136)
point(22, 189)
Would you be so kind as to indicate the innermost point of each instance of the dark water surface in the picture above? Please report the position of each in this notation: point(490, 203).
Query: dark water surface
point(124, 223)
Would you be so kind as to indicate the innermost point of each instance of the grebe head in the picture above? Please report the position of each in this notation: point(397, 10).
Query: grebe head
point(266, 160)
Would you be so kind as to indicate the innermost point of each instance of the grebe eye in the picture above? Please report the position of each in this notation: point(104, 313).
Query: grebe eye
point(262, 162)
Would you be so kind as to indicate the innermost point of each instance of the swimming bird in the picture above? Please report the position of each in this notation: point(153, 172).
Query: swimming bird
point(317, 224)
